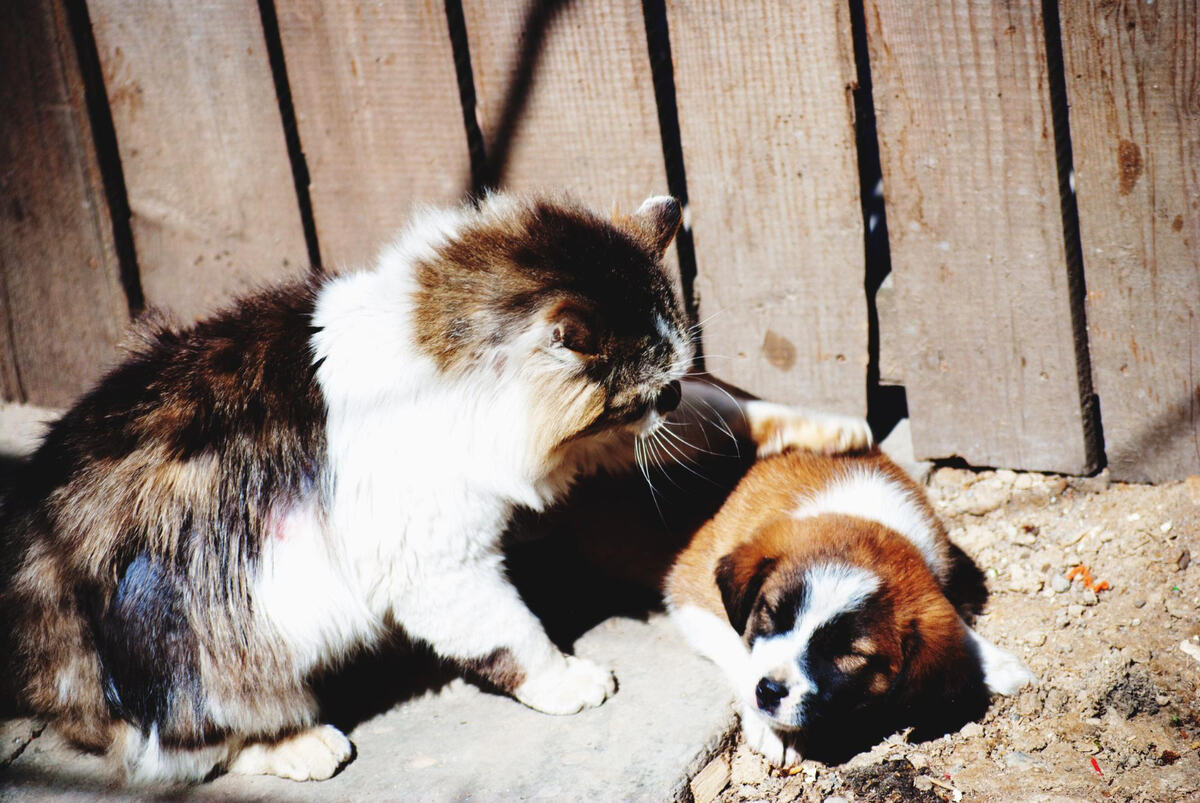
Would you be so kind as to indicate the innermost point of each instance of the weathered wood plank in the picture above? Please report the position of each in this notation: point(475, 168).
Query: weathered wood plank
point(587, 124)
point(62, 308)
point(1133, 78)
point(380, 121)
point(207, 173)
point(767, 128)
point(970, 180)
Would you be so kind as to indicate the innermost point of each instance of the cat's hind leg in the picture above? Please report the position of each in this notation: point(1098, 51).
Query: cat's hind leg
point(148, 762)
point(312, 754)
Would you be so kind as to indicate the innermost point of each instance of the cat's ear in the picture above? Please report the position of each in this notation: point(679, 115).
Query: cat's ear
point(658, 219)
point(571, 328)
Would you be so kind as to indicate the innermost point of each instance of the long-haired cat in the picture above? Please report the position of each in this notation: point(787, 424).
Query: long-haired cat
point(244, 502)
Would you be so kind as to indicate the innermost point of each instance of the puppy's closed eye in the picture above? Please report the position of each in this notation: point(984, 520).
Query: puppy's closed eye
point(850, 664)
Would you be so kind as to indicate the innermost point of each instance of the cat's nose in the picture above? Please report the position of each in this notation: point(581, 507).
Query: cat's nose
point(669, 399)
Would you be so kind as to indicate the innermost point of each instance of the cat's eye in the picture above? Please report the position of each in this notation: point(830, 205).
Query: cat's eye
point(572, 331)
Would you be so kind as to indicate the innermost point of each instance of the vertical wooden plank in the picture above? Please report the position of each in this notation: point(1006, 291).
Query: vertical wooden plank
point(380, 121)
point(1133, 78)
point(586, 122)
point(209, 182)
point(62, 307)
point(767, 127)
point(970, 179)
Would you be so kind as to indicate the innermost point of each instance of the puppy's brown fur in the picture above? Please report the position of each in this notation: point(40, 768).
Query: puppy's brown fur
point(877, 642)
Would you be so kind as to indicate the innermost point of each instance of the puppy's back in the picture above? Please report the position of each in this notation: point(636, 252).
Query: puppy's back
point(798, 484)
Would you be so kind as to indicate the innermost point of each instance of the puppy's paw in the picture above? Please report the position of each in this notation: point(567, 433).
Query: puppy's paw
point(569, 686)
point(1003, 672)
point(310, 755)
point(764, 740)
point(779, 427)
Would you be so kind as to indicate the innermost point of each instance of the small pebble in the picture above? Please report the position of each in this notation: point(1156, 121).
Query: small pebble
point(1184, 559)
point(1029, 705)
point(918, 760)
point(1179, 608)
point(922, 783)
point(1017, 760)
point(1035, 638)
point(1089, 597)
point(1139, 603)
point(971, 730)
point(1075, 611)
point(1190, 648)
point(747, 768)
point(1060, 584)
point(1165, 528)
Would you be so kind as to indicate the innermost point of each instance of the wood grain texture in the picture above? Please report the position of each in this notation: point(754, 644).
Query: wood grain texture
point(970, 181)
point(62, 307)
point(207, 173)
point(767, 128)
point(587, 124)
point(380, 121)
point(1133, 79)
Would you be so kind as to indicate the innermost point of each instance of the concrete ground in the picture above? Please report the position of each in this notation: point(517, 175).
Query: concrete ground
point(460, 743)
point(421, 733)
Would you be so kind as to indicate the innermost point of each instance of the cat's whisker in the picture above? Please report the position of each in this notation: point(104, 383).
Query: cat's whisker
point(666, 428)
point(698, 324)
point(640, 458)
point(679, 458)
point(721, 424)
point(728, 395)
point(663, 454)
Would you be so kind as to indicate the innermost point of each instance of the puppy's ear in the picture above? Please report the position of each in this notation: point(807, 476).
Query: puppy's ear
point(941, 687)
point(657, 220)
point(740, 576)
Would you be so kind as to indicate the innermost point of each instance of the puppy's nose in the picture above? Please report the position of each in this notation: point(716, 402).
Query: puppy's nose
point(669, 399)
point(768, 693)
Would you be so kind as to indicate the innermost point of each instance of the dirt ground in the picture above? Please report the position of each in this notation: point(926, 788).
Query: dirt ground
point(1115, 713)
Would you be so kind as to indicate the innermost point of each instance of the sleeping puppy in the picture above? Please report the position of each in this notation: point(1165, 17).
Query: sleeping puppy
point(819, 589)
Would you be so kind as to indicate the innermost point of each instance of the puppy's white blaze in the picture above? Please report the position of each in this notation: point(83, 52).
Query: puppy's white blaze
point(874, 496)
point(833, 589)
point(1003, 672)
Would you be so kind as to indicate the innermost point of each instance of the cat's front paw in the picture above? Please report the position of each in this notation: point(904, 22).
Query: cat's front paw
point(779, 427)
point(568, 687)
point(762, 739)
point(310, 755)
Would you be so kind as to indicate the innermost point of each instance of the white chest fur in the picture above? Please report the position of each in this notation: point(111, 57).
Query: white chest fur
point(421, 474)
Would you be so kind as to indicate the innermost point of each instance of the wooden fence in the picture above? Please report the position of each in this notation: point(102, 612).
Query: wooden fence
point(1040, 165)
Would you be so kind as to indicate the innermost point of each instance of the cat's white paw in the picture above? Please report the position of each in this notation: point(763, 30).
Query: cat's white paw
point(762, 739)
point(1003, 672)
point(779, 427)
point(568, 687)
point(310, 755)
